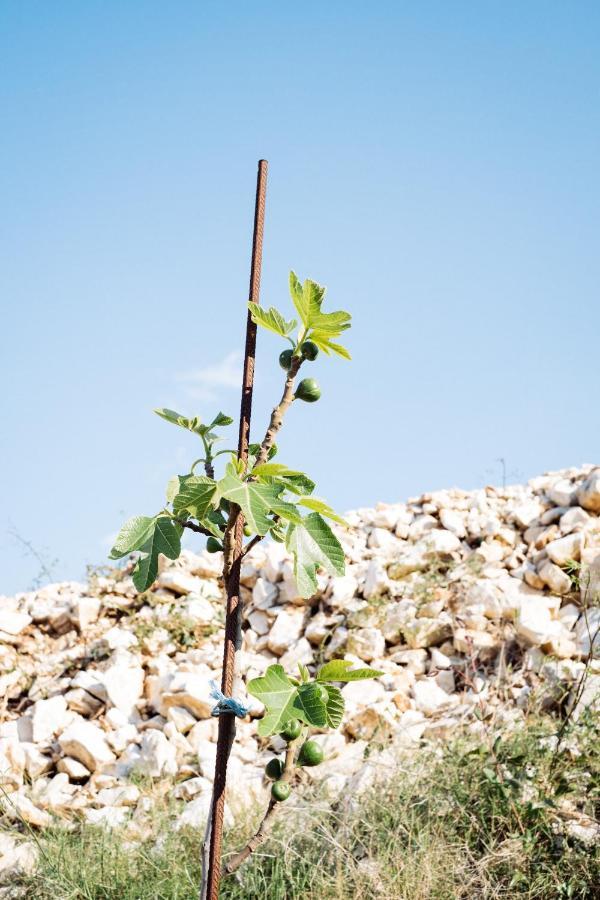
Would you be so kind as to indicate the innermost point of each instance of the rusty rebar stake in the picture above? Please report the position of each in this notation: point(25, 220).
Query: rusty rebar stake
point(233, 614)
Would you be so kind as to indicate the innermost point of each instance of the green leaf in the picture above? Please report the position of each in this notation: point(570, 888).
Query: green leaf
point(328, 346)
point(298, 484)
point(271, 319)
point(221, 419)
point(275, 470)
point(254, 499)
point(307, 298)
point(196, 496)
point(334, 706)
point(286, 510)
point(330, 325)
point(323, 508)
point(341, 670)
point(308, 705)
point(278, 473)
point(173, 486)
point(277, 692)
point(304, 673)
point(132, 536)
point(165, 537)
point(313, 544)
point(170, 415)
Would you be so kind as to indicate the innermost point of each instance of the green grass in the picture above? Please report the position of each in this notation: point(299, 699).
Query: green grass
point(477, 819)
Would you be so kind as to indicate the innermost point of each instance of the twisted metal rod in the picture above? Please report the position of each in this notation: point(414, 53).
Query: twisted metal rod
point(233, 555)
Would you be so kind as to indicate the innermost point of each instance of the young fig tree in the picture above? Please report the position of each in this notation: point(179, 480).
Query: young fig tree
point(271, 499)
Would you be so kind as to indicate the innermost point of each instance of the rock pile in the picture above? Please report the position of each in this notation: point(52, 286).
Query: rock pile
point(474, 605)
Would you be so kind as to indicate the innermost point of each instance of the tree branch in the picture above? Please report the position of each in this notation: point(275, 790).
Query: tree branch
point(279, 411)
point(199, 529)
point(269, 818)
point(255, 540)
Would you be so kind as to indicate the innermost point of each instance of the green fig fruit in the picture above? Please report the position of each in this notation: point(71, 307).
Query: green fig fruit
point(308, 390)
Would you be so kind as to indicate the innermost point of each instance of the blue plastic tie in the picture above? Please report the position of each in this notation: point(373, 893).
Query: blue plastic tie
point(226, 705)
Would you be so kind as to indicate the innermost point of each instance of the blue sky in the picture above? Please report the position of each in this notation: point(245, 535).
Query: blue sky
point(435, 164)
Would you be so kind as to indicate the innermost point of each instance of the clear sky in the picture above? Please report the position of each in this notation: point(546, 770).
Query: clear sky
point(435, 164)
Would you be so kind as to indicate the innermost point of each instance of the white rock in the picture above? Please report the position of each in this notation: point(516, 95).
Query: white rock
point(180, 582)
point(86, 743)
point(73, 768)
point(376, 581)
point(429, 697)
point(181, 718)
point(16, 857)
point(125, 795)
point(13, 623)
point(453, 521)
point(426, 632)
point(286, 630)
point(343, 590)
point(189, 690)
point(196, 813)
point(259, 621)
point(410, 728)
point(527, 512)
point(48, 717)
point(557, 580)
point(85, 611)
point(18, 807)
point(264, 594)
point(189, 789)
point(119, 638)
point(157, 755)
point(107, 816)
point(438, 540)
point(300, 652)
point(358, 694)
point(412, 559)
point(562, 492)
point(574, 519)
point(36, 762)
point(199, 610)
point(588, 494)
point(12, 762)
point(123, 681)
point(366, 643)
point(587, 632)
point(565, 548)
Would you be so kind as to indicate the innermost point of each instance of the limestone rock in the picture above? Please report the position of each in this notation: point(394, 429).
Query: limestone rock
point(286, 630)
point(366, 643)
point(86, 743)
point(562, 550)
point(157, 756)
point(48, 717)
point(557, 580)
point(588, 495)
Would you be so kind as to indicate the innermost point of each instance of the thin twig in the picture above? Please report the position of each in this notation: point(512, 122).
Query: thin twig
point(193, 527)
point(255, 540)
point(279, 411)
point(269, 818)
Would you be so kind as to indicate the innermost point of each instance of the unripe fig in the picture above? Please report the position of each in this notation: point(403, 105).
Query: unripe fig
point(310, 351)
point(274, 769)
point(310, 754)
point(247, 531)
point(280, 791)
point(308, 390)
point(291, 731)
point(285, 359)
